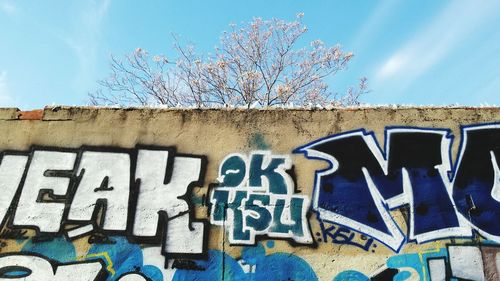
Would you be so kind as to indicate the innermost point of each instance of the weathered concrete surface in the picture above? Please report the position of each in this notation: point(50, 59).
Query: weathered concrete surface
point(216, 134)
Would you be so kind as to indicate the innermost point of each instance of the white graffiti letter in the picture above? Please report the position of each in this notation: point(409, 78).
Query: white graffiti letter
point(42, 180)
point(11, 171)
point(106, 181)
point(157, 197)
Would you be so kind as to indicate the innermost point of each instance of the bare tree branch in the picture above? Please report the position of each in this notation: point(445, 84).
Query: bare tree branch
point(255, 62)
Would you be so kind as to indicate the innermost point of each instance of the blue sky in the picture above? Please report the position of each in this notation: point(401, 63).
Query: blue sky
point(412, 52)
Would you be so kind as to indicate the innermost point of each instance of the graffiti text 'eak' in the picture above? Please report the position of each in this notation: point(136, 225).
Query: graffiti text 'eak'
point(362, 183)
point(142, 193)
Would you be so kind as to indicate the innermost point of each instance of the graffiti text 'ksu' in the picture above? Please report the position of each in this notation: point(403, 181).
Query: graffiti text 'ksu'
point(256, 197)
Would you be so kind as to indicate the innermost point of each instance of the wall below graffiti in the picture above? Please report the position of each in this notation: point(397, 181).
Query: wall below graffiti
point(157, 194)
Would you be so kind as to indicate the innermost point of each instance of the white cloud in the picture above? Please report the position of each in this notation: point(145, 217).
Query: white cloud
point(435, 41)
point(5, 99)
point(8, 7)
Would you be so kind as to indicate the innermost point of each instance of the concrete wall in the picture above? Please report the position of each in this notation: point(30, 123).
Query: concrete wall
point(149, 194)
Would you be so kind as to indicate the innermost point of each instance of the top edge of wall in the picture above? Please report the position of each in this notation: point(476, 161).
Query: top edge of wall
point(52, 113)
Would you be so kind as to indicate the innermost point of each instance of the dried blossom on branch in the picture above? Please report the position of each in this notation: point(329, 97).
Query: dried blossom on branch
point(255, 64)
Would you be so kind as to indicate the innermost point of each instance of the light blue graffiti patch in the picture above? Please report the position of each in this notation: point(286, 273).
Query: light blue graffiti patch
point(125, 258)
point(278, 266)
point(57, 249)
point(351, 275)
point(417, 261)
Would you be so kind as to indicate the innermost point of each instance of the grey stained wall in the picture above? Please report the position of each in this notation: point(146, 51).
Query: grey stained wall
point(159, 194)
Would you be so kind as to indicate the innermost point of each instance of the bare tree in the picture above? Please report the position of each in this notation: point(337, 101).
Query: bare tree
point(257, 63)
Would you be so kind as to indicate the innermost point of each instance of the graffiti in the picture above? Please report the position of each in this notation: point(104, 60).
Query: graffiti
point(33, 267)
point(256, 197)
point(363, 184)
point(414, 264)
point(120, 259)
point(143, 213)
point(343, 236)
point(455, 262)
point(253, 265)
point(124, 258)
point(126, 261)
point(143, 194)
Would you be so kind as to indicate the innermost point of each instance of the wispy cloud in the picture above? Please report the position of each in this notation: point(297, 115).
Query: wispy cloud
point(435, 41)
point(7, 7)
point(5, 98)
point(86, 42)
point(489, 92)
point(373, 23)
